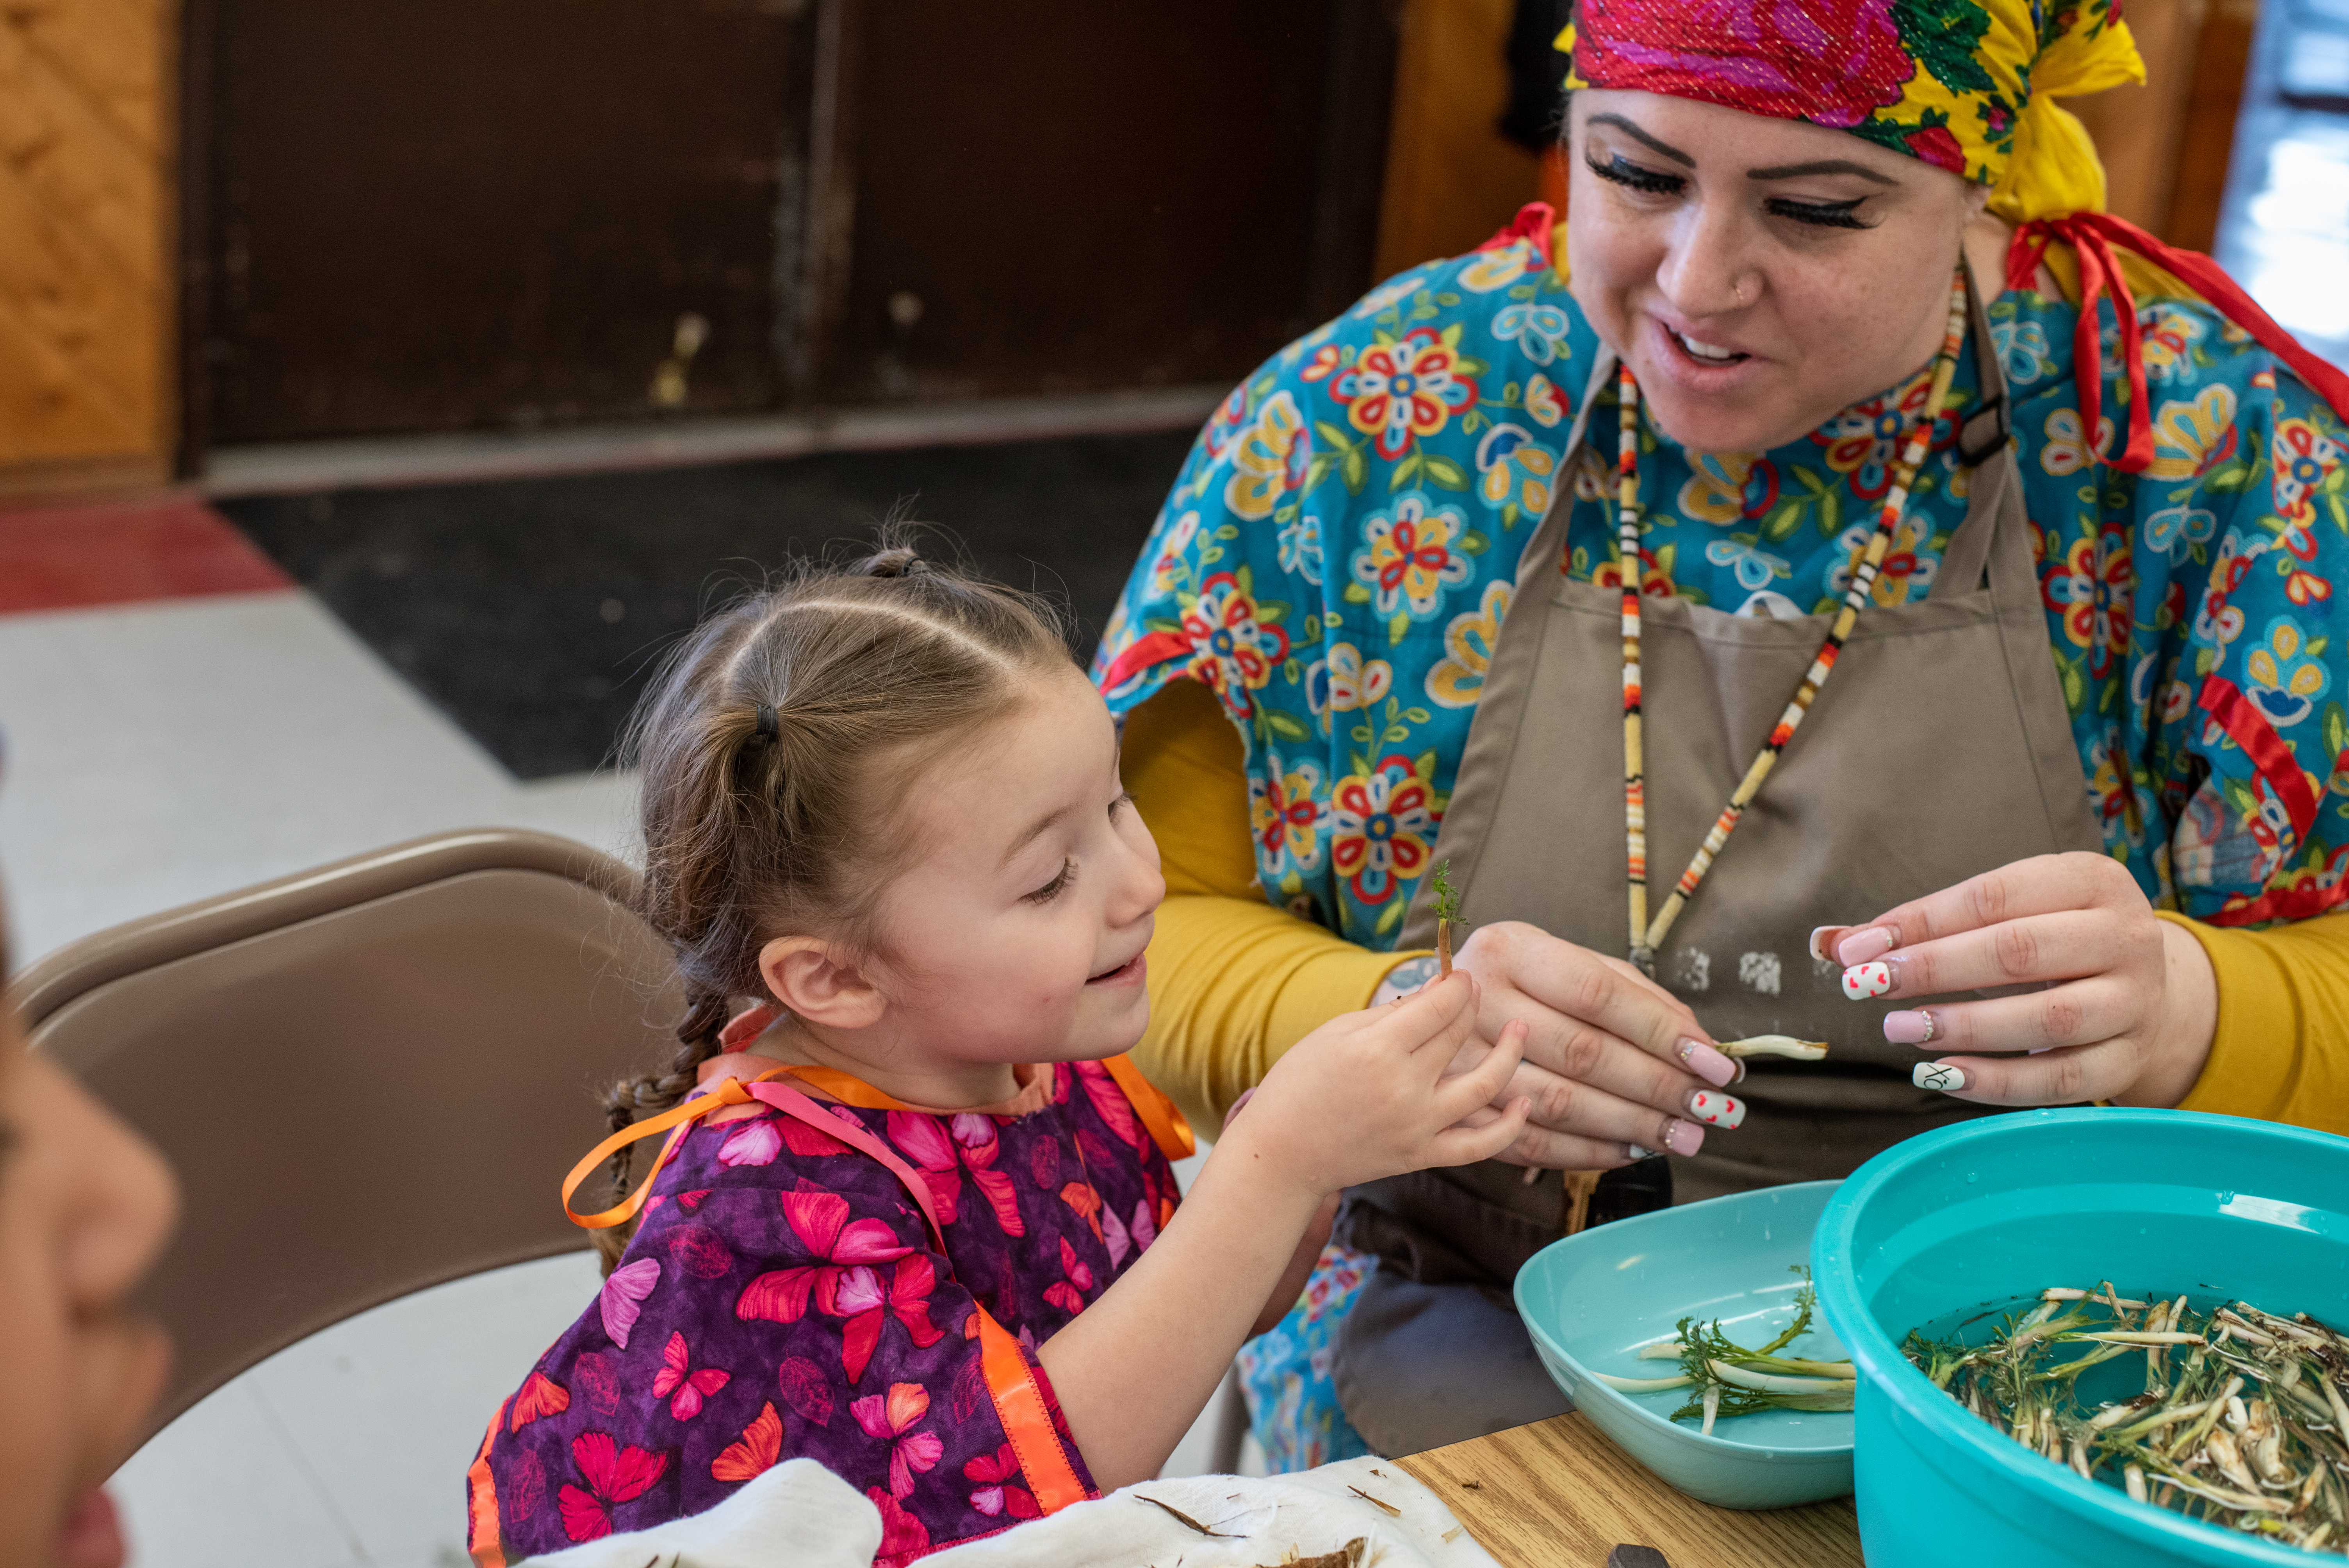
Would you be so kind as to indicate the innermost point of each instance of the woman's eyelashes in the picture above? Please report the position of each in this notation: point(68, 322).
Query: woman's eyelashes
point(1620, 171)
point(1054, 889)
point(1819, 214)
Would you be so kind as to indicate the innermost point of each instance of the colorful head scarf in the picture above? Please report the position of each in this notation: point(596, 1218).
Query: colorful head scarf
point(1968, 86)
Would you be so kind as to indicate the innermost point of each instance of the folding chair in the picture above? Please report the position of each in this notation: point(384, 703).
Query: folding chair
point(370, 1077)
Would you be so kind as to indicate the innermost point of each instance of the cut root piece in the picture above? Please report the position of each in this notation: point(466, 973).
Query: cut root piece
point(1642, 1385)
point(1776, 1045)
point(1771, 1384)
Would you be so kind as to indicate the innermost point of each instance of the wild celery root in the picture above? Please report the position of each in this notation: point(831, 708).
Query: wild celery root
point(2245, 1420)
point(1447, 916)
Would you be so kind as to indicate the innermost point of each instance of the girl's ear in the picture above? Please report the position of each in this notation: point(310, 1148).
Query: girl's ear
point(816, 981)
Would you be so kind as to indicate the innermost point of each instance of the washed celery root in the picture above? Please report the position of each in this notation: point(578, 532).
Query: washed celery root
point(1724, 1378)
point(1447, 918)
point(2245, 1420)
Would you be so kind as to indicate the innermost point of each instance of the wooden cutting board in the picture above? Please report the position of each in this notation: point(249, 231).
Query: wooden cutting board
point(1560, 1495)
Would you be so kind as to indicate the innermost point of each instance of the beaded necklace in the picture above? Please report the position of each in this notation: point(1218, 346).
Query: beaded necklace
point(1648, 935)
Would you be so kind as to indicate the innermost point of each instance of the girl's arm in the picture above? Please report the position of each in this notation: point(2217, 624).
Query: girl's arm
point(1360, 1099)
point(1300, 1262)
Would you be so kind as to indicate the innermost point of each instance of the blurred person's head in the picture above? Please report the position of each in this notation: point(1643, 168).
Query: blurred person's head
point(86, 1205)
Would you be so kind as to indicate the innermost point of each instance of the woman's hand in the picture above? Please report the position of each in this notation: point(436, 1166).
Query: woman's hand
point(1367, 1095)
point(2113, 1003)
point(1615, 1065)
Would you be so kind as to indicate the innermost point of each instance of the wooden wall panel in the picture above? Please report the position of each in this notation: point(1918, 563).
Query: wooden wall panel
point(2138, 128)
point(85, 220)
point(1452, 176)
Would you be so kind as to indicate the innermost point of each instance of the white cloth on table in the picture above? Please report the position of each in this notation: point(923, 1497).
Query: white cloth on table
point(799, 1515)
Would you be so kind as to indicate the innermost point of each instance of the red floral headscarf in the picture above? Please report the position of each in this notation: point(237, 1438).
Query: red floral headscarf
point(1968, 86)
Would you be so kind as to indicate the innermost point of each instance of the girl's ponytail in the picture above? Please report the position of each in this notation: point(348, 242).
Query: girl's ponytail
point(651, 1093)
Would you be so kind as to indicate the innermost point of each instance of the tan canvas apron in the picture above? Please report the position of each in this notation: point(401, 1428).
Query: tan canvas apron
point(1940, 748)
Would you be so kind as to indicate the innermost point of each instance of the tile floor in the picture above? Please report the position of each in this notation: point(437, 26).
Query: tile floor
point(198, 741)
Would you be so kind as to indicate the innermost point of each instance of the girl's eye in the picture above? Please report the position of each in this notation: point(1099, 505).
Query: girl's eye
point(1819, 214)
point(1054, 889)
point(1623, 171)
point(1120, 803)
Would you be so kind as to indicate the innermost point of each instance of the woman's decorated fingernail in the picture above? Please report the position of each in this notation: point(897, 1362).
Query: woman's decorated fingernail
point(1683, 1137)
point(1945, 1077)
point(1706, 1063)
point(1909, 1026)
point(1862, 981)
point(1819, 944)
point(1635, 1152)
point(1862, 946)
point(1715, 1108)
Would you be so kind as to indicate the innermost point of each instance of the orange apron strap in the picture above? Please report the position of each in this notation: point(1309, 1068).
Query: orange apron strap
point(484, 1539)
point(848, 1090)
point(1166, 1125)
point(729, 1091)
point(792, 1103)
point(1020, 1406)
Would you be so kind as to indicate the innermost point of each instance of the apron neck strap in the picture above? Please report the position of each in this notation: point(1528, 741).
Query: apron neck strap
point(1984, 447)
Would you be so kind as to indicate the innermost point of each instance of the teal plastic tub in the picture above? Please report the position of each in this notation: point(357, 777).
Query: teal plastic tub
point(1592, 1300)
point(1980, 1218)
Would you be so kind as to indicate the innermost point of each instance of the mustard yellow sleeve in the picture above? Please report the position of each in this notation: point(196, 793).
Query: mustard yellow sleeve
point(1233, 982)
point(2281, 1052)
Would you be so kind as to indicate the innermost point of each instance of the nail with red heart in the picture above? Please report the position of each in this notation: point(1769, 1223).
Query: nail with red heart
point(1862, 981)
point(1715, 1108)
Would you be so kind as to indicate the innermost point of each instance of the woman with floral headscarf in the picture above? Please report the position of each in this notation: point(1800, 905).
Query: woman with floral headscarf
point(1838, 583)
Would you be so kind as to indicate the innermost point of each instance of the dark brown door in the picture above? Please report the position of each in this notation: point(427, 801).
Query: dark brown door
point(442, 215)
point(447, 214)
point(1056, 195)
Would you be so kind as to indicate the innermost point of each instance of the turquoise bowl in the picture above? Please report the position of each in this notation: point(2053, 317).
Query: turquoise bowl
point(1978, 1218)
point(1592, 1300)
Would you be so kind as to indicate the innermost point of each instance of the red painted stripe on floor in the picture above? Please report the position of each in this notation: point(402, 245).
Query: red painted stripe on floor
point(170, 547)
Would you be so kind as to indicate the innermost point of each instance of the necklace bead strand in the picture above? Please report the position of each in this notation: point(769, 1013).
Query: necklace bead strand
point(1626, 545)
point(1870, 559)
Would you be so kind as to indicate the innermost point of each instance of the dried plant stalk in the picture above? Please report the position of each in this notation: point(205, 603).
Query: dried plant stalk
point(2244, 1420)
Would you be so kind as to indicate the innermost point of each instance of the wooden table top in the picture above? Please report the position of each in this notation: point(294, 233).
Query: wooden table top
point(1560, 1495)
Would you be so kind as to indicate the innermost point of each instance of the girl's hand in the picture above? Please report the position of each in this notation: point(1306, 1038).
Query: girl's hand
point(2114, 1003)
point(1614, 1064)
point(1366, 1096)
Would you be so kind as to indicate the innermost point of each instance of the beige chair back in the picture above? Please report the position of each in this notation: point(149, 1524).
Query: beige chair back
point(371, 1077)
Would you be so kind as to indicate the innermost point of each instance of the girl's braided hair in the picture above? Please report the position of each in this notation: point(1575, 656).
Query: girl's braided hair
point(776, 744)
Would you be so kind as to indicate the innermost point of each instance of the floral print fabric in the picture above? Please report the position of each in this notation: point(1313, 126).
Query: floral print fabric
point(1284, 1371)
point(1337, 554)
point(783, 1296)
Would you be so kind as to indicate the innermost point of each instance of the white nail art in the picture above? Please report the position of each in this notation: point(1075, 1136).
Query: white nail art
point(1716, 1109)
point(1943, 1077)
point(1635, 1152)
point(1817, 951)
point(1862, 981)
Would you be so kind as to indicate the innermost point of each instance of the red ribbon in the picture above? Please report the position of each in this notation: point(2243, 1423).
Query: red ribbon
point(2091, 236)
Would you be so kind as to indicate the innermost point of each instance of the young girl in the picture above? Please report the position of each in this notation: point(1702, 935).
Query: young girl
point(917, 1218)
